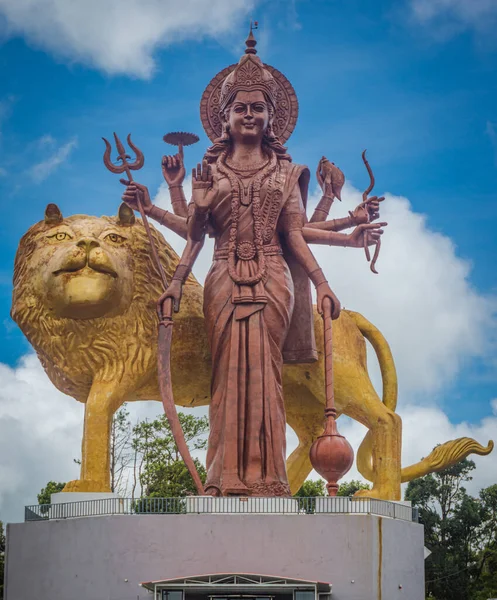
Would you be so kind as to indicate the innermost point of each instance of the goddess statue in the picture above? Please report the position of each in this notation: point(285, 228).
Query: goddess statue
point(251, 198)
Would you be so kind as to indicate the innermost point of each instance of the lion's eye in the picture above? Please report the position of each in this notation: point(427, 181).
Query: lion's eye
point(60, 236)
point(116, 239)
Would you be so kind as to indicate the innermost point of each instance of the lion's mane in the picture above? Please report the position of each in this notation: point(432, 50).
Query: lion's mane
point(74, 351)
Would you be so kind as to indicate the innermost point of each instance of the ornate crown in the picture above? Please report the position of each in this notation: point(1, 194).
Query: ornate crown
point(250, 74)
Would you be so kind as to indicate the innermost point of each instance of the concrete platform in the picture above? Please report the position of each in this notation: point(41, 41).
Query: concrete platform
point(363, 557)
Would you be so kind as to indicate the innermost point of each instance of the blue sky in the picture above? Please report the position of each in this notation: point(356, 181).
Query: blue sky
point(414, 82)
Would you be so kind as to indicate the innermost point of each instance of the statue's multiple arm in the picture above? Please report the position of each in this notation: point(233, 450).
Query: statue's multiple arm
point(191, 224)
point(136, 191)
point(173, 170)
point(203, 193)
point(331, 180)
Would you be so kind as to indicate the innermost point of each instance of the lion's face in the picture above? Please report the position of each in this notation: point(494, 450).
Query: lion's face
point(85, 269)
point(82, 267)
point(85, 291)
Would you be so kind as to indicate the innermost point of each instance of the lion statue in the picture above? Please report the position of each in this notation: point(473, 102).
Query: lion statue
point(85, 291)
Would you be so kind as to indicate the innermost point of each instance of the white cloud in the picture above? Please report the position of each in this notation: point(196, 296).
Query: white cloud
point(40, 434)
point(446, 17)
point(119, 36)
point(422, 301)
point(40, 171)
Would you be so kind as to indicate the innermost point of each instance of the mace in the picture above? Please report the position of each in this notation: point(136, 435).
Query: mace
point(331, 454)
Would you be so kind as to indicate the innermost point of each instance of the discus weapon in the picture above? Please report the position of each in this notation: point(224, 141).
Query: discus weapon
point(180, 139)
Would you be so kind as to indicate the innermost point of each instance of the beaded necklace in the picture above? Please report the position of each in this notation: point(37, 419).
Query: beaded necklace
point(246, 250)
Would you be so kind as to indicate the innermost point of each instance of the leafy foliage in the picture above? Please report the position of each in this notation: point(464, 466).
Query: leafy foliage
point(52, 487)
point(158, 466)
point(120, 450)
point(2, 558)
point(460, 531)
point(349, 488)
point(312, 488)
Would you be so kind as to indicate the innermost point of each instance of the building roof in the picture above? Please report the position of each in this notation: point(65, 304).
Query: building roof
point(236, 582)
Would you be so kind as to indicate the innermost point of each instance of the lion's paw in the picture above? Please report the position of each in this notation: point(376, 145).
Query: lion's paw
point(86, 485)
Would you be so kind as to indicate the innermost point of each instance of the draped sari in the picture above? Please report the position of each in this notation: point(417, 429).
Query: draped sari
point(247, 327)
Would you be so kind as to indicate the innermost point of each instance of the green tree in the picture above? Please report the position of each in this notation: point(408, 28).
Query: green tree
point(157, 464)
point(459, 531)
point(2, 558)
point(52, 487)
point(485, 585)
point(311, 488)
point(349, 488)
point(121, 453)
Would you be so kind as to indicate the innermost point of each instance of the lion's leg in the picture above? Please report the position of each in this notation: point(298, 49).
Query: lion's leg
point(101, 405)
point(386, 430)
point(305, 415)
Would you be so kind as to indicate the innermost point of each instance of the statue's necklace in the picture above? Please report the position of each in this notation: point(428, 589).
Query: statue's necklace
point(246, 250)
point(245, 176)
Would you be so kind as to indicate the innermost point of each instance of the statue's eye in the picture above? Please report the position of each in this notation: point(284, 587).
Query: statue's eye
point(114, 238)
point(60, 236)
point(259, 107)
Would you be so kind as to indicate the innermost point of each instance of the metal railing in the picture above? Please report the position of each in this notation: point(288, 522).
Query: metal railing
point(225, 505)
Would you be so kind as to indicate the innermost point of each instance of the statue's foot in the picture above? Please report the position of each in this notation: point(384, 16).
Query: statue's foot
point(379, 493)
point(86, 485)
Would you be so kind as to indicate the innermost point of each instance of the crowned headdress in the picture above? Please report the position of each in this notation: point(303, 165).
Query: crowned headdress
point(248, 75)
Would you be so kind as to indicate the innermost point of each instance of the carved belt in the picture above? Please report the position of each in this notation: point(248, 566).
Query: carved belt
point(243, 252)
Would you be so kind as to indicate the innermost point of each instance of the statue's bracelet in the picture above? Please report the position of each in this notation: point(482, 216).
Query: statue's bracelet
point(317, 277)
point(181, 273)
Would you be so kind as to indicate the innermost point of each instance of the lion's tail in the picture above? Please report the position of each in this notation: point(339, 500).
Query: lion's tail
point(445, 456)
point(442, 456)
point(390, 387)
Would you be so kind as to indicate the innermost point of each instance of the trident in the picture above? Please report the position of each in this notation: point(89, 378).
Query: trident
point(127, 167)
point(165, 312)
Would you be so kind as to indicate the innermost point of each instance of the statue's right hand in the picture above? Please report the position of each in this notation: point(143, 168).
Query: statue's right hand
point(136, 192)
point(174, 291)
point(173, 169)
point(202, 186)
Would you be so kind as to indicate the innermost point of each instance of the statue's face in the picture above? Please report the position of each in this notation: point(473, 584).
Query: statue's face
point(248, 116)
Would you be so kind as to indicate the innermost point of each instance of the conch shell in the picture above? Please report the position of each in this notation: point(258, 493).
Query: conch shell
point(330, 176)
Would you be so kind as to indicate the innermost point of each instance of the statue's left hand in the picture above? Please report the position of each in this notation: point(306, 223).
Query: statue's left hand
point(137, 192)
point(173, 169)
point(323, 291)
point(330, 178)
point(367, 211)
point(367, 234)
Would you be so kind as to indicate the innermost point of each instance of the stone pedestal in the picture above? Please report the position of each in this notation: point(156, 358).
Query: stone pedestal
point(65, 497)
point(241, 505)
point(67, 505)
point(363, 557)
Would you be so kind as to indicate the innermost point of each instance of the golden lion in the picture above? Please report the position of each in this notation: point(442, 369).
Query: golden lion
point(85, 291)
